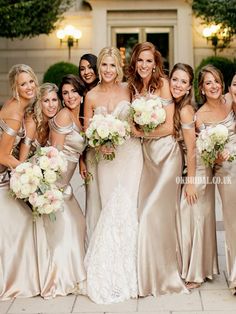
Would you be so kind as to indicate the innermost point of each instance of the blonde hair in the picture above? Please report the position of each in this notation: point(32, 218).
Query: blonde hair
point(13, 74)
point(115, 54)
point(37, 113)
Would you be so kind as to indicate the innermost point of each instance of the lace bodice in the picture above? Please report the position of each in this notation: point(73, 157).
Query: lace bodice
point(74, 143)
point(121, 111)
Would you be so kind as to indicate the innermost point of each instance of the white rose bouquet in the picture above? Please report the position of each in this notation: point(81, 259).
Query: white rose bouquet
point(107, 130)
point(210, 142)
point(34, 181)
point(147, 113)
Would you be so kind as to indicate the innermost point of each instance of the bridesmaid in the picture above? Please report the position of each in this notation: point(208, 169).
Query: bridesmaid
point(36, 121)
point(88, 71)
point(60, 244)
point(197, 212)
point(157, 242)
point(89, 75)
point(217, 109)
point(18, 276)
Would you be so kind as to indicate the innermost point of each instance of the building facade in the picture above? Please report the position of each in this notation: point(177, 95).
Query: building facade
point(169, 24)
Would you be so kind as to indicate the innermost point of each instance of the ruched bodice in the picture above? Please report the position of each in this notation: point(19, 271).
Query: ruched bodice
point(74, 144)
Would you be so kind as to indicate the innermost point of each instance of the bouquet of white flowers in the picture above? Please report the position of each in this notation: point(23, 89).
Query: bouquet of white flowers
point(34, 181)
point(107, 130)
point(210, 142)
point(147, 113)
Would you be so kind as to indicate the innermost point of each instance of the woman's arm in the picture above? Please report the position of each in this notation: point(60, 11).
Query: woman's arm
point(88, 109)
point(30, 129)
point(7, 142)
point(189, 136)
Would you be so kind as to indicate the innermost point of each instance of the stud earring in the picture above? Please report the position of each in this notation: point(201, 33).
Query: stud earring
point(154, 70)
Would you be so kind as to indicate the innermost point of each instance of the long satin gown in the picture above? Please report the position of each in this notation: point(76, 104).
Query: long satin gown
point(111, 256)
point(60, 244)
point(226, 176)
point(93, 200)
point(158, 267)
point(197, 231)
point(18, 263)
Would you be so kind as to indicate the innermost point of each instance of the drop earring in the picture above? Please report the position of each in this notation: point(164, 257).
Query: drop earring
point(154, 70)
point(203, 93)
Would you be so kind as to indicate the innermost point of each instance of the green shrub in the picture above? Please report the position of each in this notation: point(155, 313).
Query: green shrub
point(226, 66)
point(55, 72)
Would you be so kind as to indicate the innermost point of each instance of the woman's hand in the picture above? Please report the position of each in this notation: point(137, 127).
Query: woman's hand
point(190, 193)
point(223, 156)
point(107, 149)
point(135, 132)
point(82, 168)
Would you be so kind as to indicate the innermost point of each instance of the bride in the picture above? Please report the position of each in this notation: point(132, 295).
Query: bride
point(111, 256)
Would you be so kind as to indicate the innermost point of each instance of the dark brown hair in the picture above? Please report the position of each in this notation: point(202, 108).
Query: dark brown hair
point(187, 99)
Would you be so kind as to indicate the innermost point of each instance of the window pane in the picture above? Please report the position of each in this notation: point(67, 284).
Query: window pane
point(161, 41)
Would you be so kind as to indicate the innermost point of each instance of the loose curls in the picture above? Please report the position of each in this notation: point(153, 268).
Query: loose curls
point(37, 113)
point(135, 82)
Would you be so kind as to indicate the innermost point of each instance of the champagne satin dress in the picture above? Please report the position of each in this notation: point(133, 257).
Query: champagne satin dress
point(158, 269)
point(60, 244)
point(18, 263)
point(226, 177)
point(112, 253)
point(197, 225)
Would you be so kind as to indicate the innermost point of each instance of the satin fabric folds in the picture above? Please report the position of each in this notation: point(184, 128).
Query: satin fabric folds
point(18, 263)
point(60, 244)
point(198, 228)
point(158, 271)
point(226, 177)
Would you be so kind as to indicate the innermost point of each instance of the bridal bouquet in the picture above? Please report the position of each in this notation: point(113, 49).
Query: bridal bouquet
point(34, 181)
point(109, 131)
point(210, 142)
point(147, 113)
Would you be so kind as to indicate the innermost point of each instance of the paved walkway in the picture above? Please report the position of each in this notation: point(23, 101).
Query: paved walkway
point(212, 298)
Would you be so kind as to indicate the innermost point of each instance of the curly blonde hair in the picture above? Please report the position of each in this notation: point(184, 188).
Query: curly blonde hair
point(37, 113)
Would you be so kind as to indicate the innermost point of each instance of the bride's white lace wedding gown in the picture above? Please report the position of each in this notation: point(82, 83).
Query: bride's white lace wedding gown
point(111, 256)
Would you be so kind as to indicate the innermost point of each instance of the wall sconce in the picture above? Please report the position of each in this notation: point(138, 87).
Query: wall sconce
point(69, 35)
point(220, 37)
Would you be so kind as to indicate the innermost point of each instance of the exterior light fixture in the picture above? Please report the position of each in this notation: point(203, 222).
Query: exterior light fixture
point(220, 37)
point(69, 35)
